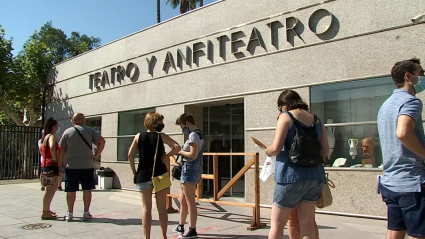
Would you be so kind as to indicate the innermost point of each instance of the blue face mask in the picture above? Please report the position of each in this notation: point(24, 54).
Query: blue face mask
point(186, 130)
point(420, 86)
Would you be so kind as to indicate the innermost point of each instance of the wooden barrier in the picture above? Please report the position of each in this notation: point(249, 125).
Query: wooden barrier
point(255, 223)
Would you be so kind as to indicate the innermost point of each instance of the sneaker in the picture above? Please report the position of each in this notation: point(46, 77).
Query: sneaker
point(179, 228)
point(69, 217)
point(191, 233)
point(87, 216)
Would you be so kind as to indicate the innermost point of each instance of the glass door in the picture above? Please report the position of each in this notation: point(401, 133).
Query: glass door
point(224, 132)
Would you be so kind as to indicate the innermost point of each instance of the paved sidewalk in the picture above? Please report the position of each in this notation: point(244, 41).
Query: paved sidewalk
point(117, 214)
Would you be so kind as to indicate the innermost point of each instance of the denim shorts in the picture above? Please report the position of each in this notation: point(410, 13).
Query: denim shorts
point(406, 211)
point(144, 186)
point(288, 195)
point(191, 173)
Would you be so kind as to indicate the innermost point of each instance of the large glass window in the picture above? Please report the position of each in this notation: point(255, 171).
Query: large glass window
point(352, 109)
point(129, 124)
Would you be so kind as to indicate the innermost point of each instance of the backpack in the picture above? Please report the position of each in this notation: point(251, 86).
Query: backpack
point(306, 149)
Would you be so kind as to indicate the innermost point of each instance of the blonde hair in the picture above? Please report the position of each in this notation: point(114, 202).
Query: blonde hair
point(152, 118)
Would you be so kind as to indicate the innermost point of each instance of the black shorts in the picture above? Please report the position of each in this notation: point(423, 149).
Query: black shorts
point(73, 177)
point(55, 169)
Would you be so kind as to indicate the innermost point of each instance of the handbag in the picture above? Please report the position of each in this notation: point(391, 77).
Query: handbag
point(325, 197)
point(163, 181)
point(176, 173)
point(47, 177)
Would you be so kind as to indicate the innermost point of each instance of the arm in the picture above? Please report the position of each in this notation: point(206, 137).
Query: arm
point(100, 146)
point(62, 158)
point(132, 153)
point(282, 128)
point(193, 151)
point(405, 132)
point(52, 144)
point(175, 147)
point(324, 142)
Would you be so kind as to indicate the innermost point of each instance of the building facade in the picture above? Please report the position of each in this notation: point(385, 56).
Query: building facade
point(227, 62)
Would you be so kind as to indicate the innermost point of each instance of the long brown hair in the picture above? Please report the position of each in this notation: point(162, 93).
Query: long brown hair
point(48, 127)
point(292, 100)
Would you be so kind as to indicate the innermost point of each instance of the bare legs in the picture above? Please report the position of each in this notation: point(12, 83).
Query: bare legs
point(48, 195)
point(188, 204)
point(294, 226)
point(147, 212)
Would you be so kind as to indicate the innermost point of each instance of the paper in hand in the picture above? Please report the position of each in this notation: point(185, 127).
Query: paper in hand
point(259, 143)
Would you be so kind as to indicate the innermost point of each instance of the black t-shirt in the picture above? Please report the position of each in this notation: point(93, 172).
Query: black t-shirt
point(147, 145)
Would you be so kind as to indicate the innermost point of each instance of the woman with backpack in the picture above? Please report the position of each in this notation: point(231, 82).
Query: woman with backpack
point(301, 145)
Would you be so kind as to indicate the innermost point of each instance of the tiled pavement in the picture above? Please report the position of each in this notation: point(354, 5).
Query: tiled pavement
point(117, 214)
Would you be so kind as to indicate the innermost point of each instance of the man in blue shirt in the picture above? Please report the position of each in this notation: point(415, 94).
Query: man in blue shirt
point(403, 151)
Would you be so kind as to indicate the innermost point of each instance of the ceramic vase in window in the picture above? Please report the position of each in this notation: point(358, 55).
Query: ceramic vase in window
point(353, 147)
point(331, 136)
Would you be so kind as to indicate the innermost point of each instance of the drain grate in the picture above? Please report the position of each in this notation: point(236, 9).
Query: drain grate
point(36, 226)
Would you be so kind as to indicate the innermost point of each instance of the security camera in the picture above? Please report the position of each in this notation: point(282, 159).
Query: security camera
point(419, 18)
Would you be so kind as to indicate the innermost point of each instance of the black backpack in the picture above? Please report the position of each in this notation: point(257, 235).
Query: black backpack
point(306, 149)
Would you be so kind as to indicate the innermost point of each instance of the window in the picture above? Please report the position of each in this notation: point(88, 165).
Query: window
point(353, 108)
point(129, 124)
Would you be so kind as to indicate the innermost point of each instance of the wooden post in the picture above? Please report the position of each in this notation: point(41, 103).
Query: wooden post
point(256, 210)
point(199, 189)
point(169, 201)
point(215, 173)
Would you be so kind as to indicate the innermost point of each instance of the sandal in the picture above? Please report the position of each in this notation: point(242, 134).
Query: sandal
point(48, 216)
point(53, 213)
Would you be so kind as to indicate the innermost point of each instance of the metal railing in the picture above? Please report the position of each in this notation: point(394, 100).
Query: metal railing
point(19, 153)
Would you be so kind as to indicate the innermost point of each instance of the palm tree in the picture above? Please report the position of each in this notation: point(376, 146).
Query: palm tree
point(158, 11)
point(185, 5)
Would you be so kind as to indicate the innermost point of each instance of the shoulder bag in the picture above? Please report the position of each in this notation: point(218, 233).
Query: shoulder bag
point(325, 197)
point(176, 173)
point(160, 182)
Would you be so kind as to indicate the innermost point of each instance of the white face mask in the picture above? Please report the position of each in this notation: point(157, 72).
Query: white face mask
point(420, 86)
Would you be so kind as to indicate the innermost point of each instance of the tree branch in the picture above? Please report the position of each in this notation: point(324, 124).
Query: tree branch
point(4, 106)
point(31, 112)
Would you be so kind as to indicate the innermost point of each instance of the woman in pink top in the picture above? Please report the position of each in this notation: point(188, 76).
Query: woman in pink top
point(49, 163)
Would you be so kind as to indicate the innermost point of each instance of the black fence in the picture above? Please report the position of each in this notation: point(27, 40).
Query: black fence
point(19, 154)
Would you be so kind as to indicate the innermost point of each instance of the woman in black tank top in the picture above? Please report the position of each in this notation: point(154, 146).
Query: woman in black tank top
point(146, 143)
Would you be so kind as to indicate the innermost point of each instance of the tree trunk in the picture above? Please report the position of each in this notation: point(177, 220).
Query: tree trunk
point(184, 6)
point(158, 11)
point(4, 106)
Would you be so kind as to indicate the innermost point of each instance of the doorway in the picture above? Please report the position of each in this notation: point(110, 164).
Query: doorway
point(224, 130)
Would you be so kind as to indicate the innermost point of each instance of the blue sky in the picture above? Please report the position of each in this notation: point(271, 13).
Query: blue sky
point(107, 19)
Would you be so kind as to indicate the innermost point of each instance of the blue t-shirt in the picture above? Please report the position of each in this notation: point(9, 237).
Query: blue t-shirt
point(404, 171)
point(287, 172)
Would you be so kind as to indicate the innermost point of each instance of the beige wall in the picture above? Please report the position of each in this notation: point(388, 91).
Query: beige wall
point(371, 37)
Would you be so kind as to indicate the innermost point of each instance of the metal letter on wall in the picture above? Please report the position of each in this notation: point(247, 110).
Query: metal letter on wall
point(105, 79)
point(320, 30)
point(135, 76)
point(197, 52)
point(274, 33)
point(120, 74)
point(236, 43)
point(255, 40)
point(91, 78)
point(151, 64)
point(181, 58)
point(295, 28)
point(97, 80)
point(222, 45)
point(168, 62)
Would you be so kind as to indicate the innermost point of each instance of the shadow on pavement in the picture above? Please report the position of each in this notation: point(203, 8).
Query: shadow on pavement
point(230, 236)
point(126, 221)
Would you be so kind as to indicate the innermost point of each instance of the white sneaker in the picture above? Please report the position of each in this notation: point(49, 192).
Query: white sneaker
point(68, 217)
point(87, 216)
